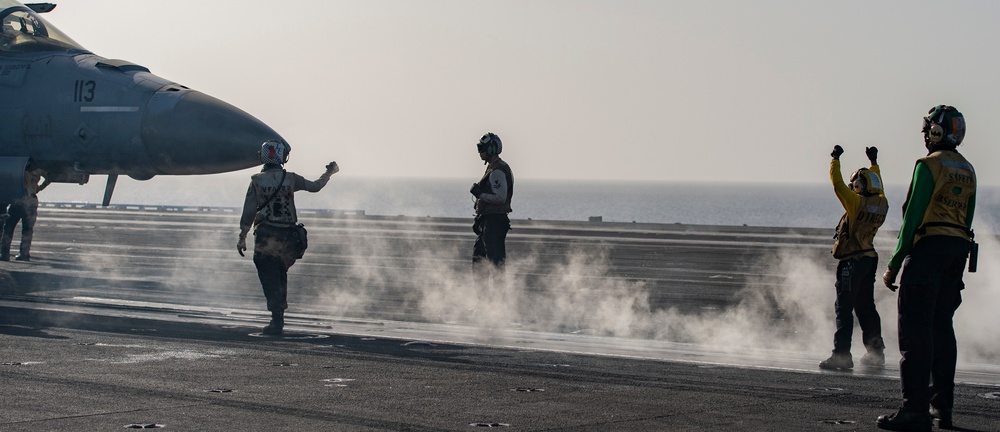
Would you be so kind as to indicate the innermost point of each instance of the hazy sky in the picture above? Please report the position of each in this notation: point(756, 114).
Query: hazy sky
point(612, 90)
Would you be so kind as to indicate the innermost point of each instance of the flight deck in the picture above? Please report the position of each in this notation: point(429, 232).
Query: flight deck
point(148, 318)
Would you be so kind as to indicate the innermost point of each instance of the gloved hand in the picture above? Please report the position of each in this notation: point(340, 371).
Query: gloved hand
point(241, 245)
point(475, 190)
point(837, 151)
point(889, 279)
point(872, 153)
point(332, 168)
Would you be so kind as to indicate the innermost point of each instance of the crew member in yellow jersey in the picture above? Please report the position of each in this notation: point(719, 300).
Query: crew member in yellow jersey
point(935, 239)
point(865, 208)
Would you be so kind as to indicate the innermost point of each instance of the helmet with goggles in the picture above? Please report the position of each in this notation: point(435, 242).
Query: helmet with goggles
point(274, 152)
point(490, 144)
point(866, 182)
point(943, 126)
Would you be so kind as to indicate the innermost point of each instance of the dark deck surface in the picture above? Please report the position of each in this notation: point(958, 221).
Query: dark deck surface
point(151, 318)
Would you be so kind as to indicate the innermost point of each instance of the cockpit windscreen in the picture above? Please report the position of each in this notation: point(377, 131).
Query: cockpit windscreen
point(22, 30)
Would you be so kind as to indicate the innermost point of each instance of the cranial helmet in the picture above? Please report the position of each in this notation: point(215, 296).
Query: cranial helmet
point(944, 126)
point(274, 152)
point(490, 143)
point(865, 182)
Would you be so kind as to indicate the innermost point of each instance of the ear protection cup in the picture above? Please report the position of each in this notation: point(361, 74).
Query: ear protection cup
point(864, 181)
point(932, 124)
point(857, 183)
point(935, 133)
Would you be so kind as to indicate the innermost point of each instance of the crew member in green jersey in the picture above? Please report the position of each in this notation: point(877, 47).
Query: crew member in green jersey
point(935, 240)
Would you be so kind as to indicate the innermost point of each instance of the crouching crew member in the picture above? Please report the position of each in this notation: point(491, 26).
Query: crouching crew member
point(270, 208)
point(865, 209)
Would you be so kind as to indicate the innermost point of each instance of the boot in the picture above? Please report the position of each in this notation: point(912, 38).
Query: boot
point(873, 358)
point(276, 325)
point(837, 361)
point(905, 421)
point(25, 247)
point(876, 353)
point(5, 248)
point(943, 417)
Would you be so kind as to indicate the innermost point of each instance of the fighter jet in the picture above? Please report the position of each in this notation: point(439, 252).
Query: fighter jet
point(76, 114)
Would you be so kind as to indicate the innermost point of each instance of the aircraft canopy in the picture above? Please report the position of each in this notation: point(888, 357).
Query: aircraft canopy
point(22, 30)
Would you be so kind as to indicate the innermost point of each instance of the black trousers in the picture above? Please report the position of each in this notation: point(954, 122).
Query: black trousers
point(929, 295)
point(490, 251)
point(25, 211)
point(273, 279)
point(856, 295)
point(491, 231)
point(273, 255)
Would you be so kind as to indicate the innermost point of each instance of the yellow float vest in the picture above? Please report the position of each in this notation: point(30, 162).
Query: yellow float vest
point(858, 240)
point(954, 185)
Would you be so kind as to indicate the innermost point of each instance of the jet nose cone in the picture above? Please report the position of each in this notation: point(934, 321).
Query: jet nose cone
point(189, 132)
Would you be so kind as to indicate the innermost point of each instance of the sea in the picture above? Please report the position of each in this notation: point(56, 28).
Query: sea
point(810, 205)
